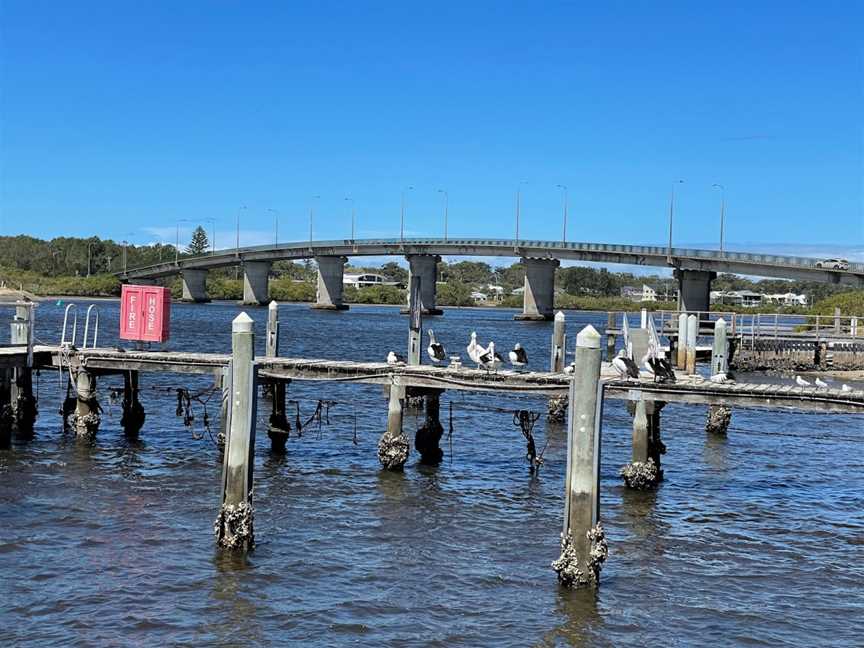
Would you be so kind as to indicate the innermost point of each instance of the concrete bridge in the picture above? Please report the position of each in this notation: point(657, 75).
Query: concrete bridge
point(694, 269)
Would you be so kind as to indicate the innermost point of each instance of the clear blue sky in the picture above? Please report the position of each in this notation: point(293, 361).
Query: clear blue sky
point(120, 118)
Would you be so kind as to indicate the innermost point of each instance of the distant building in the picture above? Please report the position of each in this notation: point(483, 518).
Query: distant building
point(745, 298)
point(495, 292)
point(366, 279)
point(643, 294)
point(786, 299)
point(479, 296)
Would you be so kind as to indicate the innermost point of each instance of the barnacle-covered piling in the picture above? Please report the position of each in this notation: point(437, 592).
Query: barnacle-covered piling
point(718, 420)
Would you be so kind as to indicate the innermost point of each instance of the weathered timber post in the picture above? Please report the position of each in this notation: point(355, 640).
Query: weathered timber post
point(556, 408)
point(132, 419)
point(610, 337)
point(692, 329)
point(720, 350)
point(682, 341)
point(644, 472)
point(393, 445)
point(234, 524)
point(6, 415)
point(24, 407)
point(225, 409)
point(87, 415)
point(643, 318)
point(583, 543)
point(853, 327)
point(415, 324)
point(278, 429)
point(718, 420)
point(837, 320)
point(428, 437)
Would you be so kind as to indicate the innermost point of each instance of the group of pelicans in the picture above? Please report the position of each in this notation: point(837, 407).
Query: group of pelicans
point(654, 362)
point(486, 357)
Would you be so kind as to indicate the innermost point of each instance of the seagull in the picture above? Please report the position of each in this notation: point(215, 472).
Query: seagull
point(801, 382)
point(490, 359)
point(722, 377)
point(435, 349)
point(569, 369)
point(518, 357)
point(821, 383)
point(846, 388)
point(625, 366)
point(394, 358)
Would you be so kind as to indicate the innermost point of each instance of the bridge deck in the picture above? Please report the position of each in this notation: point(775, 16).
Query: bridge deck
point(688, 389)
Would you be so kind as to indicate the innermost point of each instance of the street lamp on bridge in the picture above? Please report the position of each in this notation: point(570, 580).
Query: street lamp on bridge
point(312, 218)
point(212, 222)
point(353, 216)
point(275, 225)
point(564, 187)
point(177, 241)
point(519, 206)
point(722, 212)
point(446, 207)
point(671, 216)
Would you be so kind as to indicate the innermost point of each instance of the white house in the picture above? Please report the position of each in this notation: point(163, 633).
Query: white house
point(787, 299)
point(366, 279)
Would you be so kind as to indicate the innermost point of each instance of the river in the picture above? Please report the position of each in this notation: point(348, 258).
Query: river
point(752, 539)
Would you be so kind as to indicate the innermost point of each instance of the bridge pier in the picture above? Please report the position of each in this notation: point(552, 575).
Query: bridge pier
point(194, 285)
point(694, 289)
point(425, 266)
point(539, 298)
point(255, 282)
point(330, 276)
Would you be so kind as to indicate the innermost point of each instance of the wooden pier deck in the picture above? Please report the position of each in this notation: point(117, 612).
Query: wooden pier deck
point(688, 389)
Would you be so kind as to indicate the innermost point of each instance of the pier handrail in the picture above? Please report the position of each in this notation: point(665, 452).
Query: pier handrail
point(72, 307)
point(87, 327)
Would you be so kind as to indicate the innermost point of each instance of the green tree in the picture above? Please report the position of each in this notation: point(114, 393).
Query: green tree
point(199, 243)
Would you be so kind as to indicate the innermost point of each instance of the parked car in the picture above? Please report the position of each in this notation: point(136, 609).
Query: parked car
point(833, 264)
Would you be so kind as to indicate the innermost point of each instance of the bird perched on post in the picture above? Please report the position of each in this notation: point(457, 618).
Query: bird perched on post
point(394, 358)
point(625, 367)
point(490, 359)
point(474, 350)
point(821, 384)
point(659, 367)
point(518, 357)
point(801, 382)
point(435, 349)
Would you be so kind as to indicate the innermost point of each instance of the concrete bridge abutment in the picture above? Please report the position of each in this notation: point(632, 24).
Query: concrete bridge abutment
point(194, 285)
point(539, 297)
point(694, 289)
point(256, 276)
point(425, 266)
point(330, 277)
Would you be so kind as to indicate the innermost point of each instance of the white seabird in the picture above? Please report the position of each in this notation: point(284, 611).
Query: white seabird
point(435, 349)
point(518, 357)
point(821, 384)
point(846, 388)
point(625, 366)
point(491, 359)
point(394, 358)
point(801, 382)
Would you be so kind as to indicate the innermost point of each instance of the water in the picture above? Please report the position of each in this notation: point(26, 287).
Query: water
point(757, 539)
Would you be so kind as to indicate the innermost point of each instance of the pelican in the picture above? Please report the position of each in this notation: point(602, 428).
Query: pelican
point(569, 369)
point(846, 388)
point(801, 382)
point(625, 366)
point(394, 358)
point(518, 357)
point(821, 384)
point(658, 367)
point(722, 377)
point(435, 349)
point(490, 359)
point(474, 350)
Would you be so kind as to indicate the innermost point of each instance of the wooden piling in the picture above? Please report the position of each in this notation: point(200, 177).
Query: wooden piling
point(692, 329)
point(132, 419)
point(225, 409)
point(583, 543)
point(415, 322)
point(559, 341)
point(610, 337)
point(272, 341)
point(6, 415)
point(22, 400)
point(682, 341)
point(393, 445)
point(644, 472)
point(428, 436)
point(234, 525)
point(87, 414)
point(278, 428)
point(720, 350)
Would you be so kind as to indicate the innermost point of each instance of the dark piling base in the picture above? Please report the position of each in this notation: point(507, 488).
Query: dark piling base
point(330, 307)
point(425, 311)
point(640, 475)
point(393, 451)
point(530, 317)
point(234, 527)
point(718, 420)
point(567, 565)
point(556, 409)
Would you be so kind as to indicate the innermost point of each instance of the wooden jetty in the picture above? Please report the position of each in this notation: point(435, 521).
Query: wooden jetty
point(583, 392)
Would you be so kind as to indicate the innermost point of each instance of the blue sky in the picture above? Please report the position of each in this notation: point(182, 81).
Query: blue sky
point(121, 118)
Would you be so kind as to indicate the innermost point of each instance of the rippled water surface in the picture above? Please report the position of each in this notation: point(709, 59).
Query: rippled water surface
point(754, 539)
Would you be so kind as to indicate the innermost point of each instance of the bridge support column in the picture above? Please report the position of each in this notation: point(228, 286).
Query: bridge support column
point(694, 289)
point(255, 281)
point(330, 275)
point(194, 285)
point(425, 266)
point(539, 297)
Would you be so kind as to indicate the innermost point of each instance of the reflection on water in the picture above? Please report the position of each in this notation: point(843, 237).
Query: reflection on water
point(755, 537)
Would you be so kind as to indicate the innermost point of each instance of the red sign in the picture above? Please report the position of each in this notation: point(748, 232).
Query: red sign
point(145, 313)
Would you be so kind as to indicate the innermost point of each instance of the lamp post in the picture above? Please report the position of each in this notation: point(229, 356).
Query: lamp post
point(353, 216)
point(564, 187)
point(671, 216)
point(519, 206)
point(89, 247)
point(131, 235)
point(402, 216)
point(446, 207)
point(722, 213)
point(177, 241)
point(212, 222)
point(237, 235)
point(275, 225)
